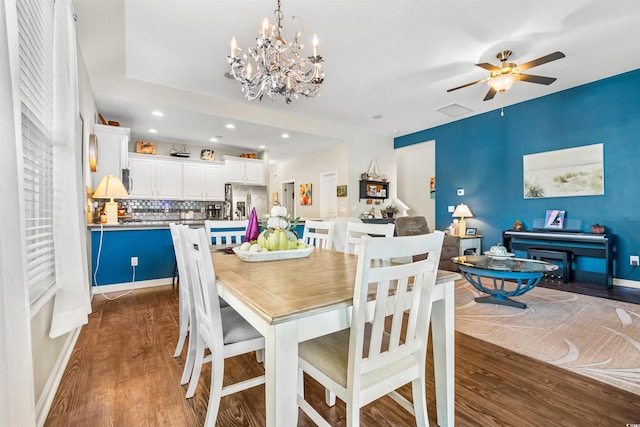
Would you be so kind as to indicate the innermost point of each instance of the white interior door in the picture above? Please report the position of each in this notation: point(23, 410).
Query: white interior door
point(289, 197)
point(328, 198)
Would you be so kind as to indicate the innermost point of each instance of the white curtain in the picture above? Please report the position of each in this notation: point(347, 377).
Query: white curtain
point(72, 300)
point(17, 401)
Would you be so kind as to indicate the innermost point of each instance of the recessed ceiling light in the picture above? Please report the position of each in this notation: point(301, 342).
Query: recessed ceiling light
point(230, 126)
point(213, 139)
point(153, 131)
point(158, 113)
point(262, 147)
point(285, 135)
point(377, 116)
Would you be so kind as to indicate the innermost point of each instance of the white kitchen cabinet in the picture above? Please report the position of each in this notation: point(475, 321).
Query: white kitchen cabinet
point(168, 179)
point(152, 178)
point(193, 181)
point(244, 171)
point(141, 178)
point(112, 151)
point(214, 182)
point(203, 181)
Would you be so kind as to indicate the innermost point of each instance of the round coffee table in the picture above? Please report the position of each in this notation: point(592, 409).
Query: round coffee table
point(510, 276)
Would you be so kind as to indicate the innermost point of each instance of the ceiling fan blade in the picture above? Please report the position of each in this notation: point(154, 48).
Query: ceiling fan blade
point(537, 79)
point(492, 92)
point(468, 84)
point(542, 60)
point(488, 67)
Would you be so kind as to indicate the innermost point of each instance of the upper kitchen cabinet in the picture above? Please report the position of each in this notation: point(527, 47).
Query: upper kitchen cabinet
point(112, 144)
point(244, 171)
point(203, 181)
point(153, 178)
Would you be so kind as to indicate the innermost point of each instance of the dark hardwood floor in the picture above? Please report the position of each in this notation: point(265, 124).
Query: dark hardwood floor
point(122, 373)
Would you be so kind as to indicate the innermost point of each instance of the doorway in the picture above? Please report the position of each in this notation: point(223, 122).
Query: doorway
point(328, 198)
point(289, 197)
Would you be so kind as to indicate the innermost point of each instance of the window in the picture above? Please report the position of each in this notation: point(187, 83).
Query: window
point(36, 35)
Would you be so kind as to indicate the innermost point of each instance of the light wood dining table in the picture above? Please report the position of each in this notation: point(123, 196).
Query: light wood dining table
point(293, 300)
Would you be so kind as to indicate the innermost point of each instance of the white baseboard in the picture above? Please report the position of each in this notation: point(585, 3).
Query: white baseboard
point(51, 387)
point(626, 283)
point(120, 287)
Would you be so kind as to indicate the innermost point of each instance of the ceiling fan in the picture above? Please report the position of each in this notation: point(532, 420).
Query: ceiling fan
point(507, 73)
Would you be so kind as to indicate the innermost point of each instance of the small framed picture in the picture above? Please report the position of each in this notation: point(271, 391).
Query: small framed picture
point(472, 231)
point(554, 219)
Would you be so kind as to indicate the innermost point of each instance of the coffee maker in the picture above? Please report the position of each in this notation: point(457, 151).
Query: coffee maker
point(214, 211)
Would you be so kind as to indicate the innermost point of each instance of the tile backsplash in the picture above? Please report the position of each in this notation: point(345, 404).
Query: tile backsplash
point(163, 210)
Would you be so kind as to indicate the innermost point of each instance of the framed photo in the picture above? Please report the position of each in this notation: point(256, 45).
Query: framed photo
point(472, 231)
point(554, 219)
point(274, 199)
point(341, 191)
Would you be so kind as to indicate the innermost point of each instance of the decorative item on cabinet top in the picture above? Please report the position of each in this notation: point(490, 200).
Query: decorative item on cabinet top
point(249, 155)
point(207, 154)
point(145, 147)
point(179, 153)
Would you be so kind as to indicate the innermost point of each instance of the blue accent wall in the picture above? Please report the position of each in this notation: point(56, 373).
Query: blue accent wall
point(483, 155)
point(154, 249)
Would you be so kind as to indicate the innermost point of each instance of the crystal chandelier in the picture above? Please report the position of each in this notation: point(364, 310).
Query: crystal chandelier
point(275, 67)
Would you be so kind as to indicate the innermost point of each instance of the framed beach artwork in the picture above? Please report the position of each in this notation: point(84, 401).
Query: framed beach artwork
point(305, 194)
point(569, 172)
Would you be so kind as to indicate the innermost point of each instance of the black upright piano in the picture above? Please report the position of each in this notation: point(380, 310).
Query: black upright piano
point(579, 244)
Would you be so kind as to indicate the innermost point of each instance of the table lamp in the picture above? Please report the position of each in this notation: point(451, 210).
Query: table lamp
point(462, 211)
point(111, 187)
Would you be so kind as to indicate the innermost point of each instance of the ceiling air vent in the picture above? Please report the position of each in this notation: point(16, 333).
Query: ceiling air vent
point(454, 110)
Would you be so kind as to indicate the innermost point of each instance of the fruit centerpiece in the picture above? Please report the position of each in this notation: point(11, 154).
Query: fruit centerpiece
point(278, 234)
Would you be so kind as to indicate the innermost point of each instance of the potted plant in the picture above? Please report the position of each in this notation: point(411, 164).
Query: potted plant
point(391, 210)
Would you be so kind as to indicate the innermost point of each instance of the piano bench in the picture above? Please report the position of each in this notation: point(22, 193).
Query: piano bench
point(564, 256)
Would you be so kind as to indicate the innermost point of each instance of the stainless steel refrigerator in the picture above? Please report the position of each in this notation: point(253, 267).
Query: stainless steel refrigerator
point(240, 199)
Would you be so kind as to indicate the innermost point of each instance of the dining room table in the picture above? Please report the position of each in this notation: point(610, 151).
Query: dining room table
point(292, 300)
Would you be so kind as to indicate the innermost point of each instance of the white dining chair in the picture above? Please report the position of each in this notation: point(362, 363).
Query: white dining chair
point(365, 362)
point(357, 230)
point(318, 233)
point(221, 330)
point(222, 232)
point(184, 306)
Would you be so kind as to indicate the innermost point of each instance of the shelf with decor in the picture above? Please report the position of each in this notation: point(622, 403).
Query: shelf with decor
point(374, 190)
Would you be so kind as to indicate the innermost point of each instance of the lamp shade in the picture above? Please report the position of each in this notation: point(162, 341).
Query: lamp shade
point(462, 211)
point(110, 187)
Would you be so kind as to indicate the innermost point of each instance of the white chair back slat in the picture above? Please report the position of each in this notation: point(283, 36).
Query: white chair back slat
point(356, 230)
point(319, 234)
point(226, 232)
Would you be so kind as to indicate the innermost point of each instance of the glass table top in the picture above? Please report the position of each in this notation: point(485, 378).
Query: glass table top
point(504, 263)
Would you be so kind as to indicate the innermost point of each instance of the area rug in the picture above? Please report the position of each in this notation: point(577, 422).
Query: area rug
point(595, 337)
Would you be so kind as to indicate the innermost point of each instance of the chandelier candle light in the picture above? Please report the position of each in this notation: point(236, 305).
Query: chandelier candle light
point(279, 67)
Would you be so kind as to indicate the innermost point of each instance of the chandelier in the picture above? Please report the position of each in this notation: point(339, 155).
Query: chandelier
point(275, 67)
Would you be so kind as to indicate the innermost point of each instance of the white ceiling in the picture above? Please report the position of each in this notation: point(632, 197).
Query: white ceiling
point(391, 58)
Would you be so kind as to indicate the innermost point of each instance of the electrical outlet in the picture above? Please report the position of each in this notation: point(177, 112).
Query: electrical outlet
point(634, 261)
point(451, 209)
point(134, 261)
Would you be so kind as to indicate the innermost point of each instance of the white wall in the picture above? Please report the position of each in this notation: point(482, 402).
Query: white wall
point(307, 169)
point(416, 165)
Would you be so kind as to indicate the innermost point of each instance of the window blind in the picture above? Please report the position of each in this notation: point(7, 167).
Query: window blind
point(35, 32)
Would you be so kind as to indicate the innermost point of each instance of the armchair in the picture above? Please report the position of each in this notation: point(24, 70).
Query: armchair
point(413, 225)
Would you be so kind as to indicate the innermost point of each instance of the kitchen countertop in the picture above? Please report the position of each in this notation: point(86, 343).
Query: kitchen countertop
point(133, 225)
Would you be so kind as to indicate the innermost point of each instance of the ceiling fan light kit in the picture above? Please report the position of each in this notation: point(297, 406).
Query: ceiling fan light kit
point(279, 68)
point(505, 75)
